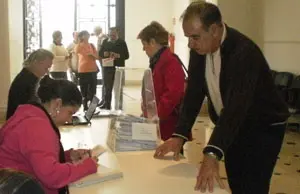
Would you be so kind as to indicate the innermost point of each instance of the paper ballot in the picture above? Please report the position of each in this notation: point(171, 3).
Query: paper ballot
point(144, 131)
point(97, 151)
point(108, 62)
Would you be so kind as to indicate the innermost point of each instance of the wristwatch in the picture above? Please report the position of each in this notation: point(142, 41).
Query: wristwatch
point(212, 155)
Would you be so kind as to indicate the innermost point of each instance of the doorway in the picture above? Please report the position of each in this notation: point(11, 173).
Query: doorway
point(42, 17)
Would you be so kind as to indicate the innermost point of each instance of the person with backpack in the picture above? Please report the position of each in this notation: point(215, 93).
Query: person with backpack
point(87, 67)
point(168, 76)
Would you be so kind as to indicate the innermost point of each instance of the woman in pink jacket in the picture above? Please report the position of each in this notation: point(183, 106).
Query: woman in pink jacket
point(30, 139)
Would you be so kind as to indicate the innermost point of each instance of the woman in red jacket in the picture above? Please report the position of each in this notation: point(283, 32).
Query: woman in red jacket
point(30, 139)
point(168, 76)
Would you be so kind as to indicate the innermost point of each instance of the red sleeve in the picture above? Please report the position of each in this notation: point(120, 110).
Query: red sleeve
point(39, 146)
point(68, 155)
point(174, 88)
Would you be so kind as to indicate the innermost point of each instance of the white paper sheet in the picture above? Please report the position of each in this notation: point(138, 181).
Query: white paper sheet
point(108, 62)
point(144, 131)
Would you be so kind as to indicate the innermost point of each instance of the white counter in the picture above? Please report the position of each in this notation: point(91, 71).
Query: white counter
point(142, 173)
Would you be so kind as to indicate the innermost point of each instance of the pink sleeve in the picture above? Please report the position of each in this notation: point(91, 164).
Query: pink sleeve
point(39, 145)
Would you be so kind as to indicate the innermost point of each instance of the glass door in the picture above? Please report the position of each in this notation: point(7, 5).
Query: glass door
point(43, 17)
point(91, 13)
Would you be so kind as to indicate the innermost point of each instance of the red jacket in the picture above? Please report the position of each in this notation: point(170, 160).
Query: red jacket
point(28, 143)
point(168, 80)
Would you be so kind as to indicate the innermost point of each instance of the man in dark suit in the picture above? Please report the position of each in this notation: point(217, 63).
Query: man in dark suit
point(116, 49)
point(249, 115)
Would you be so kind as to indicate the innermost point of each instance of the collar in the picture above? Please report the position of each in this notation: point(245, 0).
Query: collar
point(28, 72)
point(156, 56)
point(222, 39)
point(57, 44)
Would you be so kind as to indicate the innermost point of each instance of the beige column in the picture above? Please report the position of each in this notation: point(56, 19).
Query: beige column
point(4, 56)
point(246, 16)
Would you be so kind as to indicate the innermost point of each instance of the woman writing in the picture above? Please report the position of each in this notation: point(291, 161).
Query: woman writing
point(30, 139)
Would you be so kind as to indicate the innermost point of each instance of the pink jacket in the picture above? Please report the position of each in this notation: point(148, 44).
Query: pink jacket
point(28, 143)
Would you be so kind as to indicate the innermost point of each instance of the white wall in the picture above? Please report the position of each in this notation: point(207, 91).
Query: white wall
point(15, 11)
point(282, 34)
point(245, 16)
point(181, 42)
point(138, 14)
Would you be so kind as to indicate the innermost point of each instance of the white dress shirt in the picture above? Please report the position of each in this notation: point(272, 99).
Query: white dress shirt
point(212, 75)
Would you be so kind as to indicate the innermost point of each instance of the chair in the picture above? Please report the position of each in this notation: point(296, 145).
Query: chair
point(283, 81)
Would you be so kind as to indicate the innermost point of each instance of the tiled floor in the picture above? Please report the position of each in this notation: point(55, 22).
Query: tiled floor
point(286, 177)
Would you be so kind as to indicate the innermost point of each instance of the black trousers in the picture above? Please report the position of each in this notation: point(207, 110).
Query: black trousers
point(103, 88)
point(119, 101)
point(88, 86)
point(59, 75)
point(251, 159)
point(108, 83)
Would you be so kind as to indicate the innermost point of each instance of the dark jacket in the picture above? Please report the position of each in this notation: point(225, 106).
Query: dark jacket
point(22, 90)
point(119, 46)
point(247, 89)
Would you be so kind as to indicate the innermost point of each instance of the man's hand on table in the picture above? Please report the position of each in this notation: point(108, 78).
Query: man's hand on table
point(208, 172)
point(173, 144)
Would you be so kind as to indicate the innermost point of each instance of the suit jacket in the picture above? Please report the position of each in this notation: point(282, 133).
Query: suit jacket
point(247, 90)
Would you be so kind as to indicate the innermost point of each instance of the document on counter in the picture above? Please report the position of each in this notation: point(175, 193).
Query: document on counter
point(144, 131)
point(97, 151)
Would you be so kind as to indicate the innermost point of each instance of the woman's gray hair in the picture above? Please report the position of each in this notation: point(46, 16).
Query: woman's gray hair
point(82, 34)
point(56, 34)
point(37, 56)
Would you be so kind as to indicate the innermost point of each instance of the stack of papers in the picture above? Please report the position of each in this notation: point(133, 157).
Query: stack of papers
point(130, 133)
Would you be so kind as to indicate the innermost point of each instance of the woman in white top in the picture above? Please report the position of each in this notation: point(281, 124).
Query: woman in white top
point(60, 64)
point(73, 63)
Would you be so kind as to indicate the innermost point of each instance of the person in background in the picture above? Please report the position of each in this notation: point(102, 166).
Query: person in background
point(60, 64)
point(30, 139)
point(168, 76)
point(74, 57)
point(87, 67)
point(22, 89)
point(115, 48)
point(98, 32)
point(16, 182)
point(100, 38)
point(249, 115)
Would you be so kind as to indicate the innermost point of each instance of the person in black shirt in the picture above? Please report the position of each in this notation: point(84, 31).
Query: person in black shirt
point(22, 89)
point(248, 112)
point(116, 48)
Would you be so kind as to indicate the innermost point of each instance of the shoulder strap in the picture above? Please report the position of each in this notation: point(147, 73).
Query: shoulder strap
point(184, 68)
